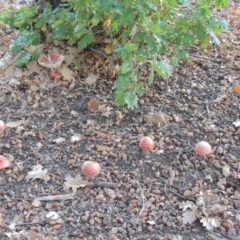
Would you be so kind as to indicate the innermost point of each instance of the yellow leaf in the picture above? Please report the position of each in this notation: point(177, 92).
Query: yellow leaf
point(107, 22)
point(108, 49)
point(236, 89)
point(44, 28)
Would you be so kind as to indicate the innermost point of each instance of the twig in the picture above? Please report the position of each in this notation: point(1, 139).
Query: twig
point(143, 200)
point(32, 223)
point(60, 197)
point(221, 235)
point(205, 58)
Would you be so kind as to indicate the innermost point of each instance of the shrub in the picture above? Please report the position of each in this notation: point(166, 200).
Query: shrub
point(152, 31)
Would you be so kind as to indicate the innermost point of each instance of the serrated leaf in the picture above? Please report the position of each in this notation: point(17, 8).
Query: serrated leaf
point(131, 99)
point(122, 83)
point(22, 58)
point(190, 216)
point(119, 98)
point(74, 183)
point(162, 68)
point(37, 173)
point(130, 47)
point(210, 223)
point(215, 38)
point(86, 40)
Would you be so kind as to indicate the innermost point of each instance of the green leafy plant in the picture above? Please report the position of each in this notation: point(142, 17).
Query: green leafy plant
point(152, 31)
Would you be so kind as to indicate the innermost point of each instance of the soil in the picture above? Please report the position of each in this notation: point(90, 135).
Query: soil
point(54, 126)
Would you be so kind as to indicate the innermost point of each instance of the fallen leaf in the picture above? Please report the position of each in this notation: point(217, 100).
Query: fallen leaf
point(190, 216)
point(236, 123)
point(91, 79)
point(108, 49)
point(105, 110)
point(59, 140)
point(66, 72)
point(210, 223)
point(94, 105)
point(236, 89)
point(151, 222)
point(74, 183)
point(107, 22)
point(186, 205)
point(190, 212)
point(38, 173)
point(207, 198)
point(74, 113)
point(226, 170)
point(76, 137)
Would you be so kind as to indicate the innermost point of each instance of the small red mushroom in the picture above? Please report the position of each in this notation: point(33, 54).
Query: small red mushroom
point(2, 125)
point(90, 168)
point(51, 61)
point(56, 74)
point(203, 148)
point(4, 163)
point(146, 143)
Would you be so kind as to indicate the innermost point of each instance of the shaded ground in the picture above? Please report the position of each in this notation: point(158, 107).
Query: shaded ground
point(168, 193)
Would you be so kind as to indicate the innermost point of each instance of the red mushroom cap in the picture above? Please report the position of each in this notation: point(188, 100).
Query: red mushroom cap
point(56, 74)
point(2, 125)
point(203, 148)
point(90, 168)
point(146, 143)
point(4, 163)
point(53, 60)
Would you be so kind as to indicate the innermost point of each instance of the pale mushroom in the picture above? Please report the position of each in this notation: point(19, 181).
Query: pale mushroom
point(51, 61)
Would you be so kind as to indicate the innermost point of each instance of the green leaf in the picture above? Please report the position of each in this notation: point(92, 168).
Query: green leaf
point(162, 68)
point(131, 99)
point(60, 32)
point(130, 47)
point(214, 38)
point(123, 82)
point(22, 58)
point(174, 60)
point(86, 40)
point(125, 67)
point(151, 78)
point(119, 98)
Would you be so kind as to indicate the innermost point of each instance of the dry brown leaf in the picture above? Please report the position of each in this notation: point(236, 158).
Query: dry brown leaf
point(92, 78)
point(94, 105)
point(158, 118)
point(236, 89)
point(66, 72)
point(101, 148)
point(38, 173)
point(74, 183)
point(105, 110)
